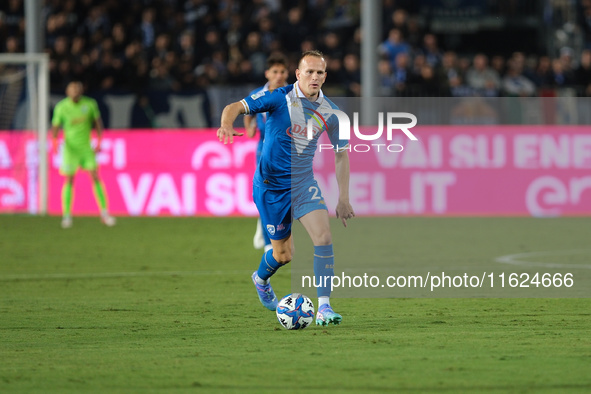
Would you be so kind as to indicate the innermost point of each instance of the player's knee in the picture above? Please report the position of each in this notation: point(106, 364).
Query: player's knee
point(324, 238)
point(282, 256)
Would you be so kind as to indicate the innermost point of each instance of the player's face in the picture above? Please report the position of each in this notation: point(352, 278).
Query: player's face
point(74, 90)
point(277, 76)
point(311, 74)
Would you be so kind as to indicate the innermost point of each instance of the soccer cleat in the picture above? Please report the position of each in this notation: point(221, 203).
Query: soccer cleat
point(108, 220)
point(326, 315)
point(266, 294)
point(67, 222)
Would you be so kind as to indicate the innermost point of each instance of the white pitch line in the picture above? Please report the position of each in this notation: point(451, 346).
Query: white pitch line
point(99, 275)
point(514, 259)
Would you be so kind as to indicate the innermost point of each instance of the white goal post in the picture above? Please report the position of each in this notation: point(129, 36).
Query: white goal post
point(35, 70)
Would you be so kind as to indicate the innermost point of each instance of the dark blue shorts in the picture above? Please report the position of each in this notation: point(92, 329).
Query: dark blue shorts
point(278, 208)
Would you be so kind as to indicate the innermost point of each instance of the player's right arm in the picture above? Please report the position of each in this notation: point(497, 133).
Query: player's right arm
point(55, 126)
point(226, 131)
point(254, 104)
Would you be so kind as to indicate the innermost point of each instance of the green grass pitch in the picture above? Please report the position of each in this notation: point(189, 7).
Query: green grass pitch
point(167, 305)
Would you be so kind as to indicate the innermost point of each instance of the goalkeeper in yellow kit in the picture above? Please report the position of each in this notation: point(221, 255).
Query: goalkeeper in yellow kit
point(78, 115)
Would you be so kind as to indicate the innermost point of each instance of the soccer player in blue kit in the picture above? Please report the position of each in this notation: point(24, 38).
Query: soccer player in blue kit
point(284, 187)
point(276, 75)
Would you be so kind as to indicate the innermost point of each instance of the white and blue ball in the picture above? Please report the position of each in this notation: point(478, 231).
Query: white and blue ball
point(295, 311)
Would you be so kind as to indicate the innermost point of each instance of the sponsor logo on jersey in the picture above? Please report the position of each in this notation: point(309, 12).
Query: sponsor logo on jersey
point(297, 131)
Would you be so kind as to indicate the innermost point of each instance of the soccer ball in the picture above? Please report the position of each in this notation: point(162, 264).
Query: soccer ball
point(295, 311)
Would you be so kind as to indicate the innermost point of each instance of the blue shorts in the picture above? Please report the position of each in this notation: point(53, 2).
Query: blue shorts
point(278, 208)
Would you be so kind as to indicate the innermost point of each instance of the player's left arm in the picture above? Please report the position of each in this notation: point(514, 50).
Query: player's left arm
point(344, 209)
point(98, 126)
point(97, 123)
point(250, 124)
point(56, 124)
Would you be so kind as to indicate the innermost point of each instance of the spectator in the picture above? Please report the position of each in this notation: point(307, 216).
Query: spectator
point(334, 66)
point(342, 15)
point(515, 83)
point(253, 51)
point(401, 73)
point(142, 113)
point(464, 64)
point(161, 46)
point(417, 65)
point(148, 30)
point(235, 33)
point(119, 36)
point(61, 48)
point(266, 30)
point(14, 18)
point(352, 75)
point(78, 48)
point(585, 21)
point(583, 74)
point(497, 63)
point(531, 64)
point(96, 21)
point(386, 80)
point(560, 78)
point(431, 50)
point(354, 45)
point(449, 73)
point(399, 20)
point(483, 79)
point(212, 43)
point(414, 32)
point(542, 76)
point(185, 47)
point(13, 45)
point(568, 66)
point(331, 46)
point(160, 77)
point(426, 84)
point(294, 30)
point(393, 46)
point(197, 15)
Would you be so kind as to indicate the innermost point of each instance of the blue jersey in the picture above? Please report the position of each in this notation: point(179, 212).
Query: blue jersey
point(286, 160)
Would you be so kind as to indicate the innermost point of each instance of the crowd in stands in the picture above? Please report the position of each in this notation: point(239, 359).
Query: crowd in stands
point(175, 45)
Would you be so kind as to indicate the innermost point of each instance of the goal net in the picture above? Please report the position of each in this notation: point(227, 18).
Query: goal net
point(24, 120)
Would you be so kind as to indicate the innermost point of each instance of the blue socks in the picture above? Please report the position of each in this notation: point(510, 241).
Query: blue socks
point(268, 265)
point(323, 269)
